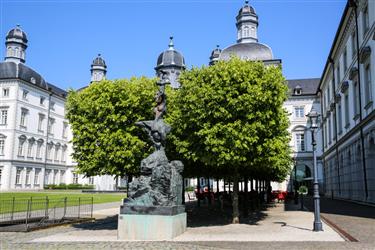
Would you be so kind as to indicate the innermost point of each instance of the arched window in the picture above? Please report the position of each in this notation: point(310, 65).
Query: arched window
point(21, 145)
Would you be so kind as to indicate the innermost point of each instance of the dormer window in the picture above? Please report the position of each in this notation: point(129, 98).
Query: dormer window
point(298, 90)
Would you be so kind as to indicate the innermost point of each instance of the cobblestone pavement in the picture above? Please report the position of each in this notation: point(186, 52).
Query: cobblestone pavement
point(23, 240)
point(356, 219)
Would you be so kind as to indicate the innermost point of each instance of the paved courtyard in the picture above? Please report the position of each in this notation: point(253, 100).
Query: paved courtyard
point(277, 227)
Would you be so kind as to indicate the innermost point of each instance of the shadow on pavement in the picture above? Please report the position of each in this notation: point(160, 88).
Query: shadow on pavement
point(206, 215)
point(108, 223)
point(340, 207)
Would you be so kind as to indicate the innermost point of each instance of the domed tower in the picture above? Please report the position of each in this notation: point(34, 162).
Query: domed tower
point(247, 24)
point(98, 69)
point(15, 44)
point(172, 62)
point(215, 54)
point(247, 46)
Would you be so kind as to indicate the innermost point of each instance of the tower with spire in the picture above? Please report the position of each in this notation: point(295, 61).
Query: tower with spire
point(98, 69)
point(16, 44)
point(172, 62)
point(247, 24)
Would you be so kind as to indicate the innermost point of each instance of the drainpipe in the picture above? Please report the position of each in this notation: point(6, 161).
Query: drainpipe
point(354, 5)
point(337, 136)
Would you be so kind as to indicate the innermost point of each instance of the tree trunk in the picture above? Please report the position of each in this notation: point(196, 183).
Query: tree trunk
point(224, 186)
point(252, 184)
point(246, 199)
point(256, 185)
point(217, 186)
point(198, 192)
point(209, 190)
point(183, 190)
point(236, 212)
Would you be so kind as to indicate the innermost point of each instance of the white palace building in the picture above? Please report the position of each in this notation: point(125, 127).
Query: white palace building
point(34, 134)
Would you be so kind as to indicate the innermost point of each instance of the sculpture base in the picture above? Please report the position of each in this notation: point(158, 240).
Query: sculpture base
point(150, 227)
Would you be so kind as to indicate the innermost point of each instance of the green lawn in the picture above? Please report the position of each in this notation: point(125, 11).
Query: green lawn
point(55, 199)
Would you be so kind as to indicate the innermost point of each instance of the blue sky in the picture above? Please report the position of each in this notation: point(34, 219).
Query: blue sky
point(66, 35)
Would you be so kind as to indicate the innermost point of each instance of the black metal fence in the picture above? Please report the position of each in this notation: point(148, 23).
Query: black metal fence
point(28, 214)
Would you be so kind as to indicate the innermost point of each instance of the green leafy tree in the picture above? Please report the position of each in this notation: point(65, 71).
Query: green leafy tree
point(102, 117)
point(229, 118)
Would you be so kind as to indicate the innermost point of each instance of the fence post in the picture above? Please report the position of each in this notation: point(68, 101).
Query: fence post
point(31, 204)
point(92, 205)
point(11, 218)
point(64, 207)
point(46, 212)
point(27, 214)
point(79, 206)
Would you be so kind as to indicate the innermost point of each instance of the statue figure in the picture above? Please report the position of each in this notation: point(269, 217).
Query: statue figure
point(160, 183)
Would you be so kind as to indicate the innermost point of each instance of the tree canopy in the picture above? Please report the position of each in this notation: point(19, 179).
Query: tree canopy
point(102, 117)
point(229, 118)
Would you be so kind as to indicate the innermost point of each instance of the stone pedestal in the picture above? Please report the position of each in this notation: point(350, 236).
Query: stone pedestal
point(150, 226)
point(151, 222)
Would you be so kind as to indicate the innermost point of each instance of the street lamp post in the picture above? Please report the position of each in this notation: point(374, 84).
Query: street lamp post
point(313, 117)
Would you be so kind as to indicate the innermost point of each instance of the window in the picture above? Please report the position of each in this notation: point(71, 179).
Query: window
point(62, 176)
point(339, 116)
point(346, 103)
point(299, 112)
point(37, 176)
point(75, 178)
point(365, 21)
point(3, 116)
point(40, 122)
point(91, 180)
point(30, 147)
point(41, 100)
point(338, 73)
point(63, 153)
point(49, 151)
point(51, 121)
point(28, 179)
point(23, 117)
point(47, 176)
point(55, 172)
point(2, 144)
point(345, 59)
point(57, 150)
point(39, 149)
point(356, 98)
point(21, 146)
point(354, 44)
point(52, 105)
point(1, 173)
point(5, 92)
point(24, 94)
point(368, 86)
point(65, 128)
point(18, 176)
point(329, 130)
point(300, 141)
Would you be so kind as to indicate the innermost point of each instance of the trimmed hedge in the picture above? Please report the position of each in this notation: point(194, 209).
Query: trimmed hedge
point(69, 186)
